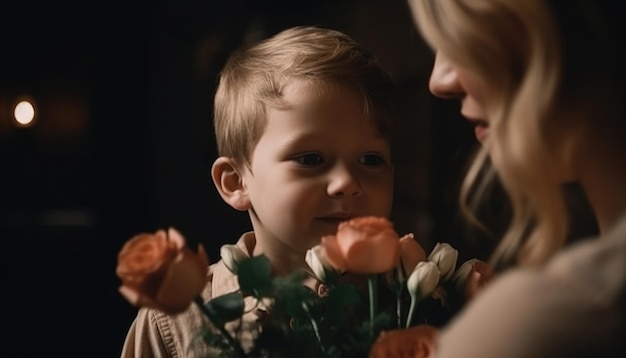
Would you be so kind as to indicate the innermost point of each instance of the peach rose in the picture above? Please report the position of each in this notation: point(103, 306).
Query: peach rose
point(365, 245)
point(159, 271)
point(414, 342)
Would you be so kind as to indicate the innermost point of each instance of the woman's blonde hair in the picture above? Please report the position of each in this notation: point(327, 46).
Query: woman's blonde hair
point(531, 59)
point(253, 80)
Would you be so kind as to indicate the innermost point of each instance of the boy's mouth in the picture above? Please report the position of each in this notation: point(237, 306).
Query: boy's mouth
point(333, 221)
point(336, 218)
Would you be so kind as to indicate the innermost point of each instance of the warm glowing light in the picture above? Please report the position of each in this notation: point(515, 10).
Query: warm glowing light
point(24, 113)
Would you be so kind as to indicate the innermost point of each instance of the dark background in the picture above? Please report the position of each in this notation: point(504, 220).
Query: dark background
point(123, 143)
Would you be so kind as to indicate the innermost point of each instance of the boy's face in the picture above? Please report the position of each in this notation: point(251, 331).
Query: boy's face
point(317, 163)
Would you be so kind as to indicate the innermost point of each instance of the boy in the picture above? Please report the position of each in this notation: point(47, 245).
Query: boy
point(302, 121)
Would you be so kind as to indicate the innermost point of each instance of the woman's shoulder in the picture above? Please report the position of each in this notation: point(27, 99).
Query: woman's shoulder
point(566, 308)
point(597, 264)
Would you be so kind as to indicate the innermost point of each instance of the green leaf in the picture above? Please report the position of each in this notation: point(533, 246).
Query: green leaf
point(227, 307)
point(255, 275)
point(339, 298)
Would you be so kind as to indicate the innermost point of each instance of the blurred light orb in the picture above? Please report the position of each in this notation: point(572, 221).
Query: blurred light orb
point(24, 113)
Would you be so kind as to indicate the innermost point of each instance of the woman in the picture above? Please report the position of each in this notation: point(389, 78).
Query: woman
point(543, 82)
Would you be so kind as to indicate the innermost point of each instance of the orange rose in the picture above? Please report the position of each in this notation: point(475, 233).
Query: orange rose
point(415, 342)
point(159, 271)
point(365, 245)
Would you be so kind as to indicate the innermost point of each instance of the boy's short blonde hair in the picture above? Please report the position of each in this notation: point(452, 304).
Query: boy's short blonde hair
point(253, 80)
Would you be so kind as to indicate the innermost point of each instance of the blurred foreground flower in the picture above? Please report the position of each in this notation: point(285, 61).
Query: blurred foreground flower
point(159, 271)
point(414, 342)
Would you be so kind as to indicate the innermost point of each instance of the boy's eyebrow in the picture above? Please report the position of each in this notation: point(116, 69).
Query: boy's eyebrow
point(301, 139)
point(298, 138)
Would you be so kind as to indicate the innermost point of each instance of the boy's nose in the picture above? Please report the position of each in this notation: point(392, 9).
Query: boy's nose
point(444, 79)
point(343, 183)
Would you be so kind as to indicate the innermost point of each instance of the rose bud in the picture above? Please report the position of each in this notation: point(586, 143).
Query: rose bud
point(365, 245)
point(445, 257)
point(411, 253)
point(232, 256)
point(472, 276)
point(158, 271)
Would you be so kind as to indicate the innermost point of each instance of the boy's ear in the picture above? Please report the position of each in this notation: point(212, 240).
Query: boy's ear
point(229, 183)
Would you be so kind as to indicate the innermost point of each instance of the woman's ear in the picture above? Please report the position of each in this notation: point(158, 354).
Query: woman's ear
point(229, 183)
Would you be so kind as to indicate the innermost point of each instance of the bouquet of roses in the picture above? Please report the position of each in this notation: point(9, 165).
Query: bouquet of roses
point(376, 294)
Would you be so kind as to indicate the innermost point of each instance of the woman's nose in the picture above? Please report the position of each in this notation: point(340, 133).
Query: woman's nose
point(444, 79)
point(343, 183)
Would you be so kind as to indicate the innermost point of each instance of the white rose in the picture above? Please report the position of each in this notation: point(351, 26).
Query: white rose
point(445, 257)
point(319, 265)
point(423, 280)
point(232, 256)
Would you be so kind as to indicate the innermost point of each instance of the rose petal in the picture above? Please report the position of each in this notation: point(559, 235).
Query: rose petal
point(182, 283)
point(480, 276)
point(204, 258)
point(484, 269)
point(377, 255)
point(423, 280)
point(445, 257)
point(232, 256)
point(333, 253)
point(176, 237)
point(365, 245)
point(139, 300)
point(131, 295)
point(411, 253)
point(143, 257)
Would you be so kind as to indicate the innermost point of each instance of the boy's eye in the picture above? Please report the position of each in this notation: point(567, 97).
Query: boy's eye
point(372, 159)
point(309, 159)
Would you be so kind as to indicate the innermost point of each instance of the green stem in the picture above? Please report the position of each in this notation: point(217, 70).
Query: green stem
point(314, 325)
point(233, 343)
point(409, 317)
point(372, 286)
